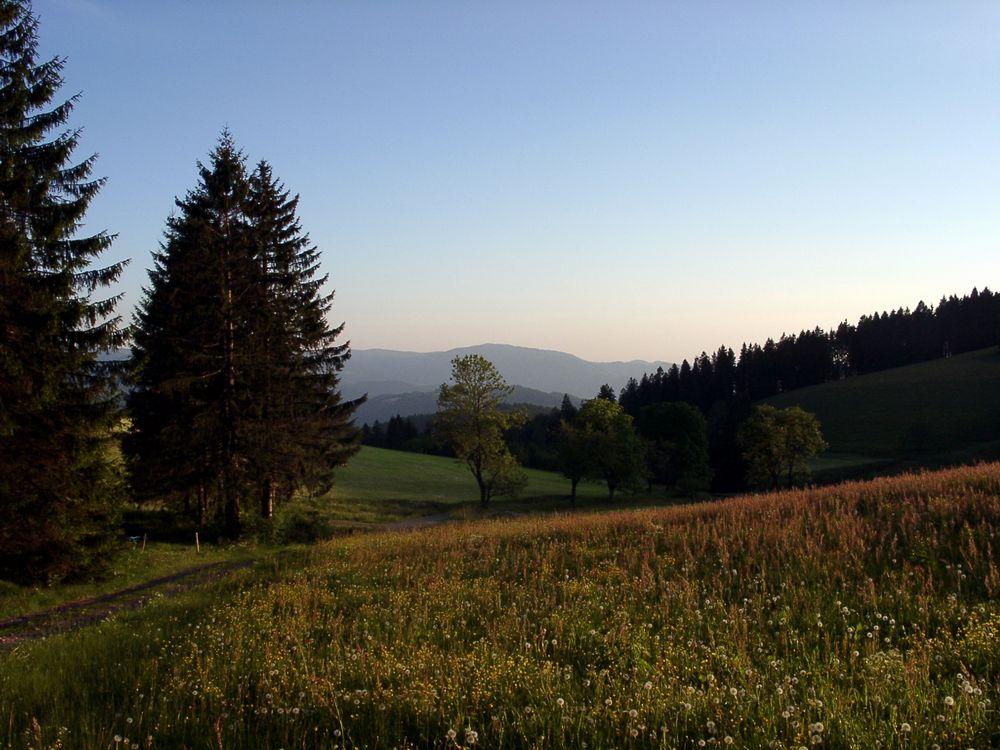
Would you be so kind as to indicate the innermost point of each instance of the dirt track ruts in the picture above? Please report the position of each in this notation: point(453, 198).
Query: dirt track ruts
point(74, 615)
point(83, 612)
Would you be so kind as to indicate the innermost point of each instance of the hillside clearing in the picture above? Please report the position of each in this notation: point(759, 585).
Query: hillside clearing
point(934, 413)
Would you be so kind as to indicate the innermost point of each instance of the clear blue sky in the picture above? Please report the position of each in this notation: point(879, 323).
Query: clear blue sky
point(616, 180)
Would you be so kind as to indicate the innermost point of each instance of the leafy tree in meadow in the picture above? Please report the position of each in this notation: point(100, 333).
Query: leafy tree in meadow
point(60, 486)
point(470, 417)
point(235, 368)
point(617, 453)
point(577, 446)
point(677, 439)
point(779, 442)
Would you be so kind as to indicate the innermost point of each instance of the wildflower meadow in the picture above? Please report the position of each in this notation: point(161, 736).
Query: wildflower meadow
point(863, 615)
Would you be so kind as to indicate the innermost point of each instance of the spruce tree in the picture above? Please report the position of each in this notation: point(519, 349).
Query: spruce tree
point(59, 484)
point(236, 370)
point(189, 340)
point(301, 428)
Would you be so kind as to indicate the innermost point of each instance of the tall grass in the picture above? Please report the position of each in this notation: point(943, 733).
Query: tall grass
point(861, 615)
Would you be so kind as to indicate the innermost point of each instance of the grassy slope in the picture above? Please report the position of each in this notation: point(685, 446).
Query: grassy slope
point(932, 412)
point(377, 486)
point(384, 485)
point(857, 616)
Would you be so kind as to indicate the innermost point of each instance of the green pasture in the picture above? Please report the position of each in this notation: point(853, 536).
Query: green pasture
point(380, 485)
point(930, 414)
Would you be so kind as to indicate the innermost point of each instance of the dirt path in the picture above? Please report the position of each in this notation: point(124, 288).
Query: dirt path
point(83, 612)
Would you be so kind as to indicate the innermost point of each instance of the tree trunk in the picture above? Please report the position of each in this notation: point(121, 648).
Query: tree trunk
point(572, 492)
point(233, 510)
point(202, 504)
point(484, 495)
point(230, 493)
point(267, 499)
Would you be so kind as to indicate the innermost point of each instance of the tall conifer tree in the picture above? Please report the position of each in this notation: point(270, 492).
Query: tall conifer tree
point(302, 426)
point(236, 370)
point(189, 334)
point(59, 487)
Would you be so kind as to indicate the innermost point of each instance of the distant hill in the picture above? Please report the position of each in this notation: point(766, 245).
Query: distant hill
point(379, 372)
point(384, 407)
point(927, 414)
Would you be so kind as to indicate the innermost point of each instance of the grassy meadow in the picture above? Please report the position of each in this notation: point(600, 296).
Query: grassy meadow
point(379, 485)
point(941, 412)
point(858, 615)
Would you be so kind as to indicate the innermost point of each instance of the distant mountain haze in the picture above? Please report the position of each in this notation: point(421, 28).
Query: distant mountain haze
point(385, 406)
point(380, 371)
point(409, 380)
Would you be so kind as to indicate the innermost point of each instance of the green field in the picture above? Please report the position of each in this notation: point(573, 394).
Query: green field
point(861, 615)
point(929, 414)
point(380, 485)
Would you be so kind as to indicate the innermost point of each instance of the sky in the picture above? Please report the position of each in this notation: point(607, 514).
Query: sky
point(618, 180)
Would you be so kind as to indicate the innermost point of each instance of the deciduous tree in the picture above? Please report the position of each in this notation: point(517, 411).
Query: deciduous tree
point(677, 439)
point(471, 418)
point(577, 446)
point(778, 442)
point(617, 453)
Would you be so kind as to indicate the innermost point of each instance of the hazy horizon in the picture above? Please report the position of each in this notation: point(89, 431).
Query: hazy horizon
point(485, 344)
point(640, 181)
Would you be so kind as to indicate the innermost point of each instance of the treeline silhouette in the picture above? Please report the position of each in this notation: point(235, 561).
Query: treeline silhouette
point(876, 342)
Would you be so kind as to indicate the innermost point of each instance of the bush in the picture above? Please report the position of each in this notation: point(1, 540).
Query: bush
point(301, 524)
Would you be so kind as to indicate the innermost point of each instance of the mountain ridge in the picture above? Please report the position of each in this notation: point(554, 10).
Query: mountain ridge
point(387, 371)
point(403, 382)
